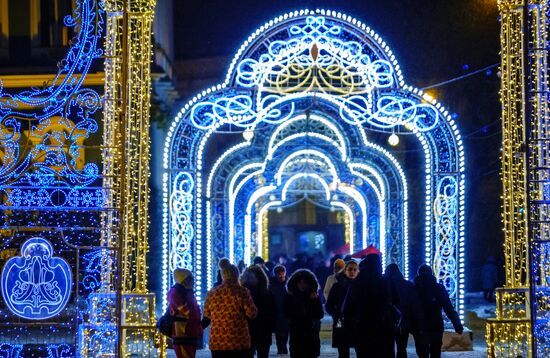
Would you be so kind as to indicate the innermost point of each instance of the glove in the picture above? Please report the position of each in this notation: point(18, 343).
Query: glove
point(459, 329)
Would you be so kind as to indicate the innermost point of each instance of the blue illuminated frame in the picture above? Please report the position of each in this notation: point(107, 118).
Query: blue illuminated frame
point(51, 188)
point(358, 75)
point(36, 285)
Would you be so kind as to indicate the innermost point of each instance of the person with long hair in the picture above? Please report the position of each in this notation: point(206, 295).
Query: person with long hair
point(342, 322)
point(186, 329)
point(304, 311)
point(260, 327)
point(228, 307)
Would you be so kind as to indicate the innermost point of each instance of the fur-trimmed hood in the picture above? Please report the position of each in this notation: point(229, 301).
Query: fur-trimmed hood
point(302, 274)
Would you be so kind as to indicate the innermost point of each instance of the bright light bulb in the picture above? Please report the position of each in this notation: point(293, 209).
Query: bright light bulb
point(248, 135)
point(393, 139)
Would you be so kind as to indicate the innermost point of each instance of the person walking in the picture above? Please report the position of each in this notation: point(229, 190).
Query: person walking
point(304, 311)
point(337, 267)
point(371, 303)
point(228, 307)
point(186, 329)
point(408, 303)
point(278, 289)
point(260, 327)
point(342, 324)
point(433, 297)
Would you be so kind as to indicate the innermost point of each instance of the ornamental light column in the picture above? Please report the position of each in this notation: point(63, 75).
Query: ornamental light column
point(128, 54)
point(521, 326)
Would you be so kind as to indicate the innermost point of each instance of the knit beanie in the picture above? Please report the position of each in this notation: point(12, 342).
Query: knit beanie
point(181, 274)
point(339, 265)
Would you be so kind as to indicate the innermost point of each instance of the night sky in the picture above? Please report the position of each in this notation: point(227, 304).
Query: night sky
point(434, 41)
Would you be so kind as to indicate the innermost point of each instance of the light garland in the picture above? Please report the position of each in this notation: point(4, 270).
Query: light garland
point(126, 166)
point(522, 326)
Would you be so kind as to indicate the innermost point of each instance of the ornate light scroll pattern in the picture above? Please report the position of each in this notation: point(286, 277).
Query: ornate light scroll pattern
point(316, 56)
point(239, 109)
point(42, 161)
point(51, 187)
point(181, 207)
point(445, 210)
point(36, 285)
point(11, 350)
point(60, 351)
point(388, 111)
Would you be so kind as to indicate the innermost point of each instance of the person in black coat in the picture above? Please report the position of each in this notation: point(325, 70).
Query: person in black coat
point(370, 302)
point(304, 311)
point(342, 323)
point(278, 289)
point(433, 297)
point(412, 317)
point(260, 328)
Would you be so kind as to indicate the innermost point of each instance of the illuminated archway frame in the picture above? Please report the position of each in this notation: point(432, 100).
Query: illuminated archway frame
point(347, 156)
point(369, 89)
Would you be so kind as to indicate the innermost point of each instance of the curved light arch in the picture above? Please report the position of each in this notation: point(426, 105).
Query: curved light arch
point(267, 206)
point(299, 176)
point(247, 221)
point(447, 128)
point(306, 134)
point(352, 192)
point(305, 152)
point(313, 117)
point(272, 203)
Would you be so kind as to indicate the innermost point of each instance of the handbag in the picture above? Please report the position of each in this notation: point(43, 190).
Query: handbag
point(340, 319)
point(166, 322)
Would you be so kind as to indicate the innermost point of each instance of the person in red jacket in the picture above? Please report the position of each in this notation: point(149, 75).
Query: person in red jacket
point(187, 329)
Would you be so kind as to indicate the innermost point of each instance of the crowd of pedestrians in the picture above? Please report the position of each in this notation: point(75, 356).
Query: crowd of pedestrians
point(372, 313)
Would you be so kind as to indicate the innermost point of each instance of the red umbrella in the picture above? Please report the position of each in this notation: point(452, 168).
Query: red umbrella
point(371, 249)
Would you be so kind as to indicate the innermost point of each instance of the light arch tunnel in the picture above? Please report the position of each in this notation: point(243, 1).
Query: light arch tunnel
point(287, 126)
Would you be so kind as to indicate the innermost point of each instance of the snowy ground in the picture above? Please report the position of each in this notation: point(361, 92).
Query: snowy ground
point(476, 313)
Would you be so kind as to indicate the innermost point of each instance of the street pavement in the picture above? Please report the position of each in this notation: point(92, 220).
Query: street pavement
point(328, 352)
point(476, 307)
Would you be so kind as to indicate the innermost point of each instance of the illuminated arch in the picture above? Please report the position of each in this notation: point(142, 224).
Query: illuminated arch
point(318, 62)
point(245, 170)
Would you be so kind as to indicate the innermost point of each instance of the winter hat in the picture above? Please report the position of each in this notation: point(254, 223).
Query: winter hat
point(181, 274)
point(339, 265)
